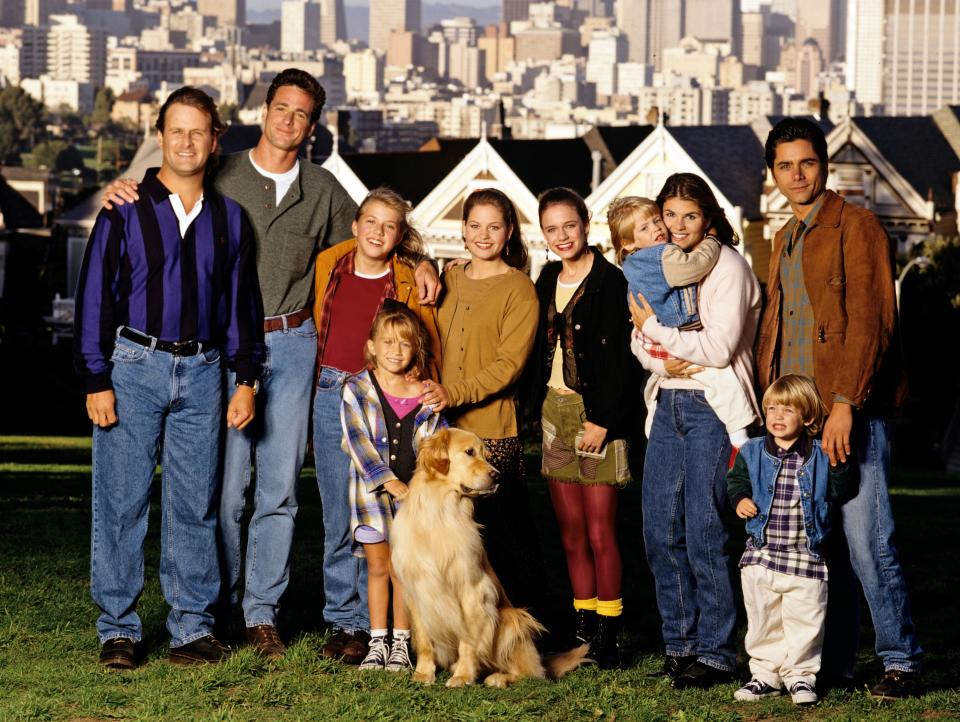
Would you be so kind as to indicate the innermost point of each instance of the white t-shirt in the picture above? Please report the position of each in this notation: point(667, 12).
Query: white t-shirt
point(282, 181)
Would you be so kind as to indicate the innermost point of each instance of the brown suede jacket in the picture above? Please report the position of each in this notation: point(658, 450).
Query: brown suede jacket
point(848, 273)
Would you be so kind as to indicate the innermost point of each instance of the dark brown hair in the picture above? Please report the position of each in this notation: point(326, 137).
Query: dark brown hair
point(791, 129)
point(306, 82)
point(563, 196)
point(693, 188)
point(515, 252)
point(195, 98)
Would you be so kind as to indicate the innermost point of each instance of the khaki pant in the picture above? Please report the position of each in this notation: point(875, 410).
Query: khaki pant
point(785, 615)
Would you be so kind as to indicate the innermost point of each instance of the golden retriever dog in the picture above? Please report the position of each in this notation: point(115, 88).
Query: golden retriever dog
point(461, 618)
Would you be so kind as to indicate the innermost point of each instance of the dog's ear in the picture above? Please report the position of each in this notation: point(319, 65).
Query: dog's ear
point(434, 455)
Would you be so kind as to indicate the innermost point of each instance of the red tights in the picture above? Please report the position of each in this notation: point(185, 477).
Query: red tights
point(587, 517)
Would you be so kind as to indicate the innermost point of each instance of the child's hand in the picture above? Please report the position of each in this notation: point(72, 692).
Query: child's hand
point(746, 509)
point(398, 490)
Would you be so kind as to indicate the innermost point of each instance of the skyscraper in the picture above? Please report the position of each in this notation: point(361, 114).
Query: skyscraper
point(823, 21)
point(333, 21)
point(921, 56)
point(714, 20)
point(650, 26)
point(865, 50)
point(515, 10)
point(389, 15)
point(227, 12)
point(299, 26)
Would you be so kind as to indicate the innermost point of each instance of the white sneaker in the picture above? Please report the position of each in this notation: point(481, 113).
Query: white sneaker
point(802, 693)
point(376, 654)
point(754, 690)
point(399, 660)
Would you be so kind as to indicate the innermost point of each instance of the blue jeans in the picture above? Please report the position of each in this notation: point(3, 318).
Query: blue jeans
point(173, 403)
point(865, 551)
point(276, 442)
point(344, 575)
point(684, 491)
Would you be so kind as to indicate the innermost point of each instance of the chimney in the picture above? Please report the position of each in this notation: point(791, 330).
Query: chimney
point(597, 157)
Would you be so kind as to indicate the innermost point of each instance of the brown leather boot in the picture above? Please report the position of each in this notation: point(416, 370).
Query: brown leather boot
point(265, 640)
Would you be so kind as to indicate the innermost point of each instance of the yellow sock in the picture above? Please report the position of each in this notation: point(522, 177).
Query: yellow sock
point(610, 607)
point(589, 605)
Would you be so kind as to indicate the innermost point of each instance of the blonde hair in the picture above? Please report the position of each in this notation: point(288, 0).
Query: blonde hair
point(409, 248)
point(800, 392)
point(396, 317)
point(622, 216)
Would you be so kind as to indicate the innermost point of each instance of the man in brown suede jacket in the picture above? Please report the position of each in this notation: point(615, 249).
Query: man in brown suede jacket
point(831, 314)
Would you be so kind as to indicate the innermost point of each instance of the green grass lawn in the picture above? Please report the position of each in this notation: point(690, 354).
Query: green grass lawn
point(48, 645)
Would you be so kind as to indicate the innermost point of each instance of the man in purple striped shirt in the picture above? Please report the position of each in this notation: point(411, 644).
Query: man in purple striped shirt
point(168, 285)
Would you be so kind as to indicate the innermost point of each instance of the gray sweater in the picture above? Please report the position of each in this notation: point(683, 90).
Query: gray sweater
point(314, 214)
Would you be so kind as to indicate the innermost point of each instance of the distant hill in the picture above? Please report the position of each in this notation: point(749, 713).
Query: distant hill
point(358, 16)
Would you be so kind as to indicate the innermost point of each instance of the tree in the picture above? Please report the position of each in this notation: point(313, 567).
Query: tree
point(21, 120)
point(228, 113)
point(102, 106)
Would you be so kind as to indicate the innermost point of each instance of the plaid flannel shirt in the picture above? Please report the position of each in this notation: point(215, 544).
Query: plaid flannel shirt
point(796, 312)
point(367, 441)
point(786, 550)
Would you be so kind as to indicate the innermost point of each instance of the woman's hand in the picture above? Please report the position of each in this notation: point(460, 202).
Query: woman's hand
point(640, 311)
point(397, 489)
point(435, 396)
point(593, 438)
point(680, 369)
point(746, 509)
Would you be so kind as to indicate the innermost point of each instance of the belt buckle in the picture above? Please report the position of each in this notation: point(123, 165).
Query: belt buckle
point(180, 348)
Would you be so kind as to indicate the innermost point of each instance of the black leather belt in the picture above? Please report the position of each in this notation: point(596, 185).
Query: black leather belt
point(177, 348)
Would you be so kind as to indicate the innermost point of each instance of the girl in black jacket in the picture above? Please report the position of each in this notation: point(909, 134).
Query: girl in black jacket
point(580, 378)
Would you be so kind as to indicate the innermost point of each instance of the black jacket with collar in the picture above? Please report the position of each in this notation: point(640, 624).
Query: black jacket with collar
point(610, 375)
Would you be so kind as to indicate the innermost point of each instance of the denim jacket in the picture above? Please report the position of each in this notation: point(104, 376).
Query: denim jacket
point(754, 476)
point(667, 277)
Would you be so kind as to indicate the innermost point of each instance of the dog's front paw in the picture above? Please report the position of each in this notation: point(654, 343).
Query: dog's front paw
point(498, 680)
point(424, 677)
point(458, 681)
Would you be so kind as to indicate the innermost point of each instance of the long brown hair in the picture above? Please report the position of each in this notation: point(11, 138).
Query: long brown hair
point(693, 188)
point(514, 252)
point(409, 248)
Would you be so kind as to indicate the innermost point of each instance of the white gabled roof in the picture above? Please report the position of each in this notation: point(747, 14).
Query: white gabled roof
point(343, 172)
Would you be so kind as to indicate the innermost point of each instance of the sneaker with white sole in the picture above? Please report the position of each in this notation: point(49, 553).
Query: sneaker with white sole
point(399, 660)
point(376, 654)
point(755, 690)
point(802, 693)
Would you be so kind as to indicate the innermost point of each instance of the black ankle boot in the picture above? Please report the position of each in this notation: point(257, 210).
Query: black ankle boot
point(585, 627)
point(605, 649)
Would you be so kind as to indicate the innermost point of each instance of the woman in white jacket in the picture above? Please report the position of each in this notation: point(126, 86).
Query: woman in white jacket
point(688, 452)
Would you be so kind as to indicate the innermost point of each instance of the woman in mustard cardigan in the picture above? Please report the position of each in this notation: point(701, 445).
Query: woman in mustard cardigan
point(488, 319)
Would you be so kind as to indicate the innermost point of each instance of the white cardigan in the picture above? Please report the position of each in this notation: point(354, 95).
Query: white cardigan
point(729, 303)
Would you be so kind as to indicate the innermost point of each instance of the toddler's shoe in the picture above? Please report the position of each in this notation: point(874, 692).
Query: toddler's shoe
point(755, 690)
point(802, 693)
point(376, 654)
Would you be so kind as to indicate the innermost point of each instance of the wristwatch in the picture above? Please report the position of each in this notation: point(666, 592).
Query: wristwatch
point(255, 385)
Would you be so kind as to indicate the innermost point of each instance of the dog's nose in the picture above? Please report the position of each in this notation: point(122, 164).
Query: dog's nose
point(494, 473)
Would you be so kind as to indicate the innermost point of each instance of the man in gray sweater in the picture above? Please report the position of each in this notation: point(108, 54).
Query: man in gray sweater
point(296, 209)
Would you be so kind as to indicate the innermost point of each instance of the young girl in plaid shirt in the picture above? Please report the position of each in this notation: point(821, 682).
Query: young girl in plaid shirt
point(784, 487)
point(383, 422)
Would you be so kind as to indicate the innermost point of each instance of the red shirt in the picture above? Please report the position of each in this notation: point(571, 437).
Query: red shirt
point(355, 302)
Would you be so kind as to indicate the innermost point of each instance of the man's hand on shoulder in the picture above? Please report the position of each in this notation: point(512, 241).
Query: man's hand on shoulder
point(119, 192)
point(242, 408)
point(428, 282)
point(102, 408)
point(836, 432)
